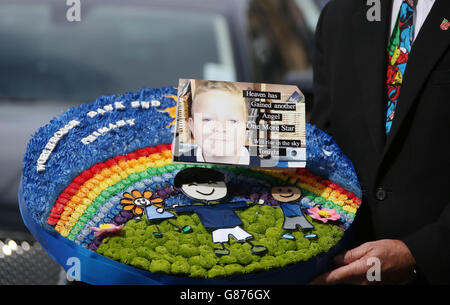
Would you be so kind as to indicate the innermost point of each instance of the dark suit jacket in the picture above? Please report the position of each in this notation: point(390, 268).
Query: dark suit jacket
point(405, 176)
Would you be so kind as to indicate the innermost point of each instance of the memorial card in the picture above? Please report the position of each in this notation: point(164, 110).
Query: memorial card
point(237, 123)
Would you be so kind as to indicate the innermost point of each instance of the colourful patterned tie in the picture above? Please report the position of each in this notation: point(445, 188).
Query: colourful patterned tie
point(398, 50)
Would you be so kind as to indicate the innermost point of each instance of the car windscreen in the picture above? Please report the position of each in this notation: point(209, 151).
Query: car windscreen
point(113, 49)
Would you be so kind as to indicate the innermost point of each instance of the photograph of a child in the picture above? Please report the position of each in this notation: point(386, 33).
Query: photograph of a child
point(215, 123)
point(238, 123)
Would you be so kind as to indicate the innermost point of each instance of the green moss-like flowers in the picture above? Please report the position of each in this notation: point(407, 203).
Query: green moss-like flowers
point(188, 250)
point(191, 254)
point(253, 267)
point(160, 266)
point(180, 267)
point(233, 269)
point(197, 271)
point(127, 255)
point(140, 262)
point(216, 271)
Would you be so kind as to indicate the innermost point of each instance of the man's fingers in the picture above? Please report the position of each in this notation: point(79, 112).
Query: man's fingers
point(348, 274)
point(352, 255)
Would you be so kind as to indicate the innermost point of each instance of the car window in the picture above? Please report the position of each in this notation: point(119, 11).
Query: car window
point(113, 49)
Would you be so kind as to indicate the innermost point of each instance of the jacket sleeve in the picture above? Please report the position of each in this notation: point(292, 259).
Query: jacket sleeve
point(430, 247)
point(320, 115)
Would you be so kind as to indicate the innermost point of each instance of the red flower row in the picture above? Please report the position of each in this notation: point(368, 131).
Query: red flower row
point(78, 181)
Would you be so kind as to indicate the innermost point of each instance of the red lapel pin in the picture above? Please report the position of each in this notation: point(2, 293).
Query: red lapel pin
point(411, 3)
point(445, 25)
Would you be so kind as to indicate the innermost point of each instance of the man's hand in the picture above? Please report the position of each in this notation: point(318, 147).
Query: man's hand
point(397, 264)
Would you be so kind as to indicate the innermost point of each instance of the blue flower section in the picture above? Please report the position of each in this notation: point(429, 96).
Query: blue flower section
point(70, 156)
point(325, 159)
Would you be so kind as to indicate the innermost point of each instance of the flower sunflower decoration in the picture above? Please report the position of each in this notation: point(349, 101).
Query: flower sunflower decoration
point(137, 201)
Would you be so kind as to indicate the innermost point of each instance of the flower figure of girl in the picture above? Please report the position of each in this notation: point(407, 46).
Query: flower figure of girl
point(138, 202)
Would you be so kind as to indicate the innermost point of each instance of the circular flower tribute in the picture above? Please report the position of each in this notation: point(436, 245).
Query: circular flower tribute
point(100, 177)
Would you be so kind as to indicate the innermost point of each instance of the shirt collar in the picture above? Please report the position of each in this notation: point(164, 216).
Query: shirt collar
point(244, 158)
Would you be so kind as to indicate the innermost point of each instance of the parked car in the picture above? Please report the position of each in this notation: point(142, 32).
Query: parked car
point(48, 64)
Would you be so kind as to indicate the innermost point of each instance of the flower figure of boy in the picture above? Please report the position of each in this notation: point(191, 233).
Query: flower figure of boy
point(208, 187)
point(288, 196)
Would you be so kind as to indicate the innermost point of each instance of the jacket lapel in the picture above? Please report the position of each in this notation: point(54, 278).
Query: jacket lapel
point(370, 58)
point(428, 47)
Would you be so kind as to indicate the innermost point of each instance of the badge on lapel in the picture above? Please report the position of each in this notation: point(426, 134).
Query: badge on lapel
point(445, 25)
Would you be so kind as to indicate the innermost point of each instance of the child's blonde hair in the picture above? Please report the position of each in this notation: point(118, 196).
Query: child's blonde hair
point(207, 85)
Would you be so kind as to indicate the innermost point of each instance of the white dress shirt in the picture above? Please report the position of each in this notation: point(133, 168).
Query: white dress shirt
point(423, 7)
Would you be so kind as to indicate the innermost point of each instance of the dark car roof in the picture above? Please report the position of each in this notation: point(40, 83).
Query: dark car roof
point(235, 12)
